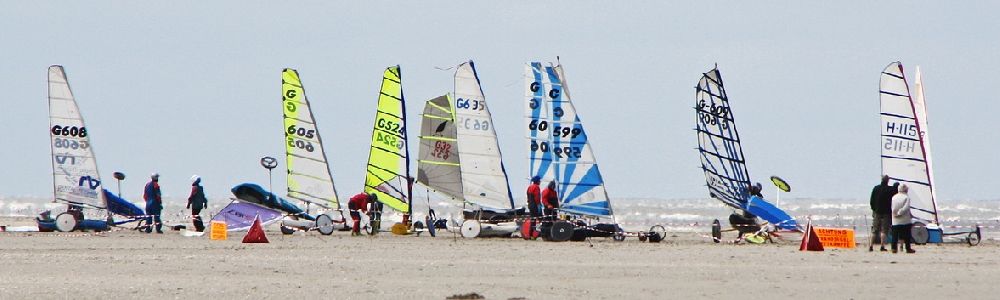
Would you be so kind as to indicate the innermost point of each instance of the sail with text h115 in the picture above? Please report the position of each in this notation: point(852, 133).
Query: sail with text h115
point(309, 177)
point(558, 148)
point(719, 147)
point(388, 160)
point(904, 155)
point(74, 167)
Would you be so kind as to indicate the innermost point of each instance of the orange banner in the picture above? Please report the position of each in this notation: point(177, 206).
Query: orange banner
point(835, 237)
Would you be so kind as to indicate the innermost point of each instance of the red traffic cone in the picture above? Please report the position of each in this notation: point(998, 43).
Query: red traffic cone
point(810, 241)
point(256, 233)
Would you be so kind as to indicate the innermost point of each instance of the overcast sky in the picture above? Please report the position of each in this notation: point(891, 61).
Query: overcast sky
point(193, 87)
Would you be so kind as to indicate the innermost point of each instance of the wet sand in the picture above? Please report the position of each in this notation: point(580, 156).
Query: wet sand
point(128, 264)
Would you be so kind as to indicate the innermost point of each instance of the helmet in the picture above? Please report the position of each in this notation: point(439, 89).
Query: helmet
point(195, 178)
point(155, 175)
point(536, 179)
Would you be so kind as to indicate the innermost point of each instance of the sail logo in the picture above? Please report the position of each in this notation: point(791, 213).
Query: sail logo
point(91, 182)
point(61, 159)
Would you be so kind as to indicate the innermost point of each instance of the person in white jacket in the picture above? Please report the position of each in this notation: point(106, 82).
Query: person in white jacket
point(902, 220)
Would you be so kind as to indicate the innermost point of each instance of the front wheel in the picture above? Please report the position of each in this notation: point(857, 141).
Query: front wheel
point(324, 224)
point(66, 222)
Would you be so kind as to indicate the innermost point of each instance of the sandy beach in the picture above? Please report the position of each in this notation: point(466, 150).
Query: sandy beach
point(128, 264)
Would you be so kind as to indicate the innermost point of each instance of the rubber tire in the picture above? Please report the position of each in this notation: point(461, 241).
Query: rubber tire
point(717, 231)
point(471, 229)
point(66, 222)
point(657, 233)
point(561, 231)
point(974, 237)
point(324, 224)
point(919, 233)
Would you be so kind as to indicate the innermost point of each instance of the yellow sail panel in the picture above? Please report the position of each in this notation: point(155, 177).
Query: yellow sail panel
point(388, 161)
point(309, 177)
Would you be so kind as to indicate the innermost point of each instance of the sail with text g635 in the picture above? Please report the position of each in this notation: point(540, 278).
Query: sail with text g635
point(438, 162)
point(484, 179)
point(74, 167)
point(388, 160)
point(719, 147)
point(903, 152)
point(309, 177)
point(558, 148)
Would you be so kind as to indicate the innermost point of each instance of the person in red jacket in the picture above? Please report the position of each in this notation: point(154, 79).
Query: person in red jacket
point(534, 197)
point(551, 200)
point(358, 203)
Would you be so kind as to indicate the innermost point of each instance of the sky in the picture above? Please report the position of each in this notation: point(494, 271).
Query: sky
point(193, 87)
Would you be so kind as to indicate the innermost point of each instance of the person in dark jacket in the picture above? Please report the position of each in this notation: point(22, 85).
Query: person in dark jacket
point(881, 204)
point(154, 204)
point(196, 202)
point(357, 205)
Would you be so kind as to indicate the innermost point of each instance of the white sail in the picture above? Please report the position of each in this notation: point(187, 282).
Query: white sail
point(557, 144)
point(309, 177)
point(74, 167)
point(484, 179)
point(903, 154)
point(920, 108)
point(438, 164)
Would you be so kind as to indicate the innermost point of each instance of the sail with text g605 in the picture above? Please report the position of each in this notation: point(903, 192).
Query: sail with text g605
point(74, 167)
point(484, 179)
point(719, 147)
point(903, 152)
point(309, 177)
point(558, 148)
point(388, 160)
point(438, 162)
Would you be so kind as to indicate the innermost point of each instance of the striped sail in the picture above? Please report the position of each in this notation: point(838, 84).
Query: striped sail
point(558, 146)
point(903, 154)
point(719, 147)
point(388, 161)
point(74, 167)
point(309, 177)
point(438, 163)
point(484, 179)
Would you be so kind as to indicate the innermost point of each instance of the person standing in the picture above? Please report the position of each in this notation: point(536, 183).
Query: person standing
point(902, 220)
point(154, 204)
point(881, 204)
point(196, 202)
point(534, 197)
point(358, 203)
point(551, 200)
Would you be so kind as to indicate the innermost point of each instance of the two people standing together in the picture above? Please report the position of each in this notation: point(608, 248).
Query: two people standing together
point(891, 209)
point(154, 203)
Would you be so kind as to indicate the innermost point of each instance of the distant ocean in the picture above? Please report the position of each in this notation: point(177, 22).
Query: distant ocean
point(676, 215)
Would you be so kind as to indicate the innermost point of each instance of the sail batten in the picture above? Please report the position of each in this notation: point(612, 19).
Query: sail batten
point(308, 173)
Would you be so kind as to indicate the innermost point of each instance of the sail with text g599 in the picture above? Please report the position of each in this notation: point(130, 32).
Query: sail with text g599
point(74, 167)
point(309, 177)
point(903, 152)
point(484, 179)
point(558, 148)
point(438, 161)
point(388, 160)
point(719, 146)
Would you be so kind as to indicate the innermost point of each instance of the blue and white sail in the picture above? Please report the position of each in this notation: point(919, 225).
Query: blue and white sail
point(904, 156)
point(557, 143)
point(719, 146)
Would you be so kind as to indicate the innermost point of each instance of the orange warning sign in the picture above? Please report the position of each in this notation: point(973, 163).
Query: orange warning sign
point(835, 237)
point(219, 230)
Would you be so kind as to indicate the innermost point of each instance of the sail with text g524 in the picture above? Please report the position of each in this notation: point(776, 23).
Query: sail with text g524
point(74, 167)
point(904, 157)
point(309, 177)
point(484, 179)
point(558, 147)
point(388, 160)
point(438, 162)
point(719, 146)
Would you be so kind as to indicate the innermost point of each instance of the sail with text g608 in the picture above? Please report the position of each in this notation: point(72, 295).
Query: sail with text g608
point(74, 167)
point(309, 177)
point(484, 179)
point(438, 162)
point(903, 152)
point(558, 148)
point(388, 160)
point(719, 147)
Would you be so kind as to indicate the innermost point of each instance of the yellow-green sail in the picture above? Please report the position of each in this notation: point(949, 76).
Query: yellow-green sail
point(388, 161)
point(309, 176)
